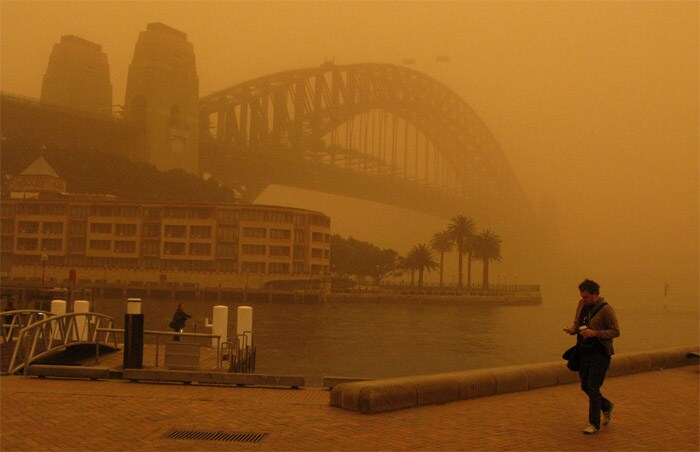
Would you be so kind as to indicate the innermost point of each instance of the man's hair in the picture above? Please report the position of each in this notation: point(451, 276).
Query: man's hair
point(589, 286)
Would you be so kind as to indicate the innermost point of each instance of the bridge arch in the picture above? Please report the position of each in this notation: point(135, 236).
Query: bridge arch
point(392, 121)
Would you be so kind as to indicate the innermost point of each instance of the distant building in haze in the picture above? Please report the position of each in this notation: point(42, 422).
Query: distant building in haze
point(106, 241)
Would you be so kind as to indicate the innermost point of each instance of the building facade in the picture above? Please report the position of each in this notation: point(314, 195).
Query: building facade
point(57, 237)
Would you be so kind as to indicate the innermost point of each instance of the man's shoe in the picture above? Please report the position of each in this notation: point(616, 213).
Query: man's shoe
point(590, 430)
point(607, 415)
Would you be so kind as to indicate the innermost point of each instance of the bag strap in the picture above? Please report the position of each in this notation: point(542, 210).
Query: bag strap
point(592, 314)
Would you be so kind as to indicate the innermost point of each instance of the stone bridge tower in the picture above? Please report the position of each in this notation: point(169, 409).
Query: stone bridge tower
point(162, 91)
point(78, 77)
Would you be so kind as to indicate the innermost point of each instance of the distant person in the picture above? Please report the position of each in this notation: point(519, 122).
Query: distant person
point(178, 321)
point(596, 325)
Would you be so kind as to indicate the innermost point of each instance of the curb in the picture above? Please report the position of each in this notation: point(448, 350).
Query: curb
point(377, 396)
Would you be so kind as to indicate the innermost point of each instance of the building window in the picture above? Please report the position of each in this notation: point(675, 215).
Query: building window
point(227, 266)
point(317, 237)
point(299, 236)
point(200, 232)
point(76, 245)
point(51, 244)
point(280, 234)
point(54, 209)
point(279, 251)
point(126, 230)
point(228, 216)
point(28, 227)
point(7, 226)
point(316, 252)
point(6, 243)
point(226, 249)
point(178, 212)
point(101, 211)
point(255, 250)
point(79, 211)
point(151, 230)
point(152, 213)
point(127, 211)
point(200, 249)
point(77, 228)
point(124, 246)
point(279, 217)
point(150, 247)
point(279, 267)
point(29, 209)
point(298, 268)
point(299, 220)
point(7, 210)
point(317, 269)
point(174, 248)
point(253, 215)
point(101, 228)
point(27, 244)
point(227, 232)
point(102, 245)
point(175, 230)
point(298, 252)
point(52, 228)
point(255, 232)
point(253, 267)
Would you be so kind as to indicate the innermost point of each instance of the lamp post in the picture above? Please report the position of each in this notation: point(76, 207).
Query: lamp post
point(44, 259)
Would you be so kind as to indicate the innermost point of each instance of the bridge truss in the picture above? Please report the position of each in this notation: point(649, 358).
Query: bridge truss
point(376, 131)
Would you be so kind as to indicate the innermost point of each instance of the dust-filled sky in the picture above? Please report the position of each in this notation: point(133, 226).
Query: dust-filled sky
point(595, 104)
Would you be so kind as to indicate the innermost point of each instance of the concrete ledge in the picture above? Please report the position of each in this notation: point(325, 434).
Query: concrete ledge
point(329, 382)
point(93, 373)
point(185, 376)
point(391, 394)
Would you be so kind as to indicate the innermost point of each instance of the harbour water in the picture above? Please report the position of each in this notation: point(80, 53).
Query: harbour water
point(377, 338)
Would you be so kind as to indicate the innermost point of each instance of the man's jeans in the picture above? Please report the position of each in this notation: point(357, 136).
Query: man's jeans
point(594, 365)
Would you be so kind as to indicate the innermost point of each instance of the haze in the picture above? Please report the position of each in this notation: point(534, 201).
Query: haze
point(595, 105)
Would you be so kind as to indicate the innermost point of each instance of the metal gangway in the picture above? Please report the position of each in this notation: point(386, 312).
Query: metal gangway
point(55, 333)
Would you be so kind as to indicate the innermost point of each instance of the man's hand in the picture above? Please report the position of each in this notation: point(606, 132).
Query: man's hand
point(569, 330)
point(588, 333)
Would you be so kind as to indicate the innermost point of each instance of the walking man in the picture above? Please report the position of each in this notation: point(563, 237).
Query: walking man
point(596, 325)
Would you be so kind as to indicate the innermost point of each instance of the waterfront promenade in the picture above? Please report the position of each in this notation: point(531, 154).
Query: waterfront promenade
point(655, 410)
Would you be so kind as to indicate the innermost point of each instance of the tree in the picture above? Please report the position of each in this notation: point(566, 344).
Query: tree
point(420, 258)
point(487, 246)
point(442, 243)
point(461, 231)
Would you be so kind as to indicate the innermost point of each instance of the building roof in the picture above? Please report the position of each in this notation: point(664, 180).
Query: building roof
point(40, 167)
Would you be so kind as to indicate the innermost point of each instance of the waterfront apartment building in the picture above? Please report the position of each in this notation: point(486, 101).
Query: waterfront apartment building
point(97, 238)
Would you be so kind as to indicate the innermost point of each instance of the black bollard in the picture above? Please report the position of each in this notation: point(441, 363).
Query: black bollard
point(133, 341)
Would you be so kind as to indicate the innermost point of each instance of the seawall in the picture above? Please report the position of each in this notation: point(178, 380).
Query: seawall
point(376, 396)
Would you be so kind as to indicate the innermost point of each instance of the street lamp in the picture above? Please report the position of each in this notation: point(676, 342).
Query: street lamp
point(44, 259)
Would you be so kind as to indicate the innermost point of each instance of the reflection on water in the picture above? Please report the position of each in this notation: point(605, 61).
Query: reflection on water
point(382, 339)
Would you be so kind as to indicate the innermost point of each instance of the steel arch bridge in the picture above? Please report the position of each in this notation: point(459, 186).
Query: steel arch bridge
point(379, 132)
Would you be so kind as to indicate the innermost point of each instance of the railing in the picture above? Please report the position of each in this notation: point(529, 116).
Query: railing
point(39, 339)
point(158, 334)
point(241, 357)
point(11, 322)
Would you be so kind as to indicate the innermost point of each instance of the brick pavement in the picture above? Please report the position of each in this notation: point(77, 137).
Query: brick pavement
point(653, 411)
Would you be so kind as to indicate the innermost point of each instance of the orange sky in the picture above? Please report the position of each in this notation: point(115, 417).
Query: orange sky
point(595, 104)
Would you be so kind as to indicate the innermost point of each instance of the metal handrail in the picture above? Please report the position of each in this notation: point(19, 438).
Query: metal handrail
point(7, 331)
point(157, 334)
point(58, 332)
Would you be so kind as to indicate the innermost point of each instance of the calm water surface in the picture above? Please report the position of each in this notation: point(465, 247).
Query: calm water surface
point(364, 338)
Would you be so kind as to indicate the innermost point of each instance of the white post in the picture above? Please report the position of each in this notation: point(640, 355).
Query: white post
point(219, 324)
point(58, 307)
point(245, 323)
point(81, 306)
point(133, 306)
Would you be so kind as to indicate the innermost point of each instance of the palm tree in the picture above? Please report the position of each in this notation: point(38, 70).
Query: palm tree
point(442, 243)
point(487, 246)
point(421, 258)
point(461, 231)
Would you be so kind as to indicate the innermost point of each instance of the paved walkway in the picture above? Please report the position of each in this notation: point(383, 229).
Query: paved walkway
point(653, 411)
